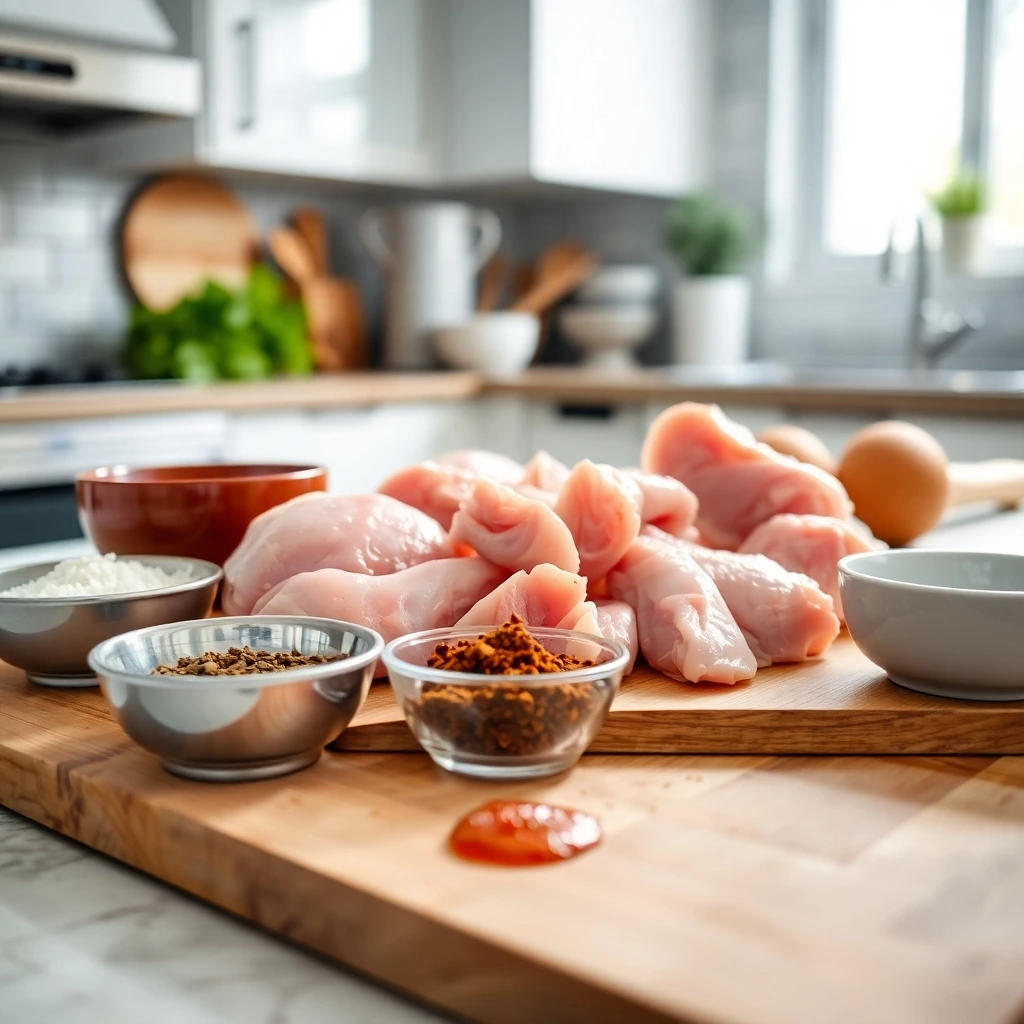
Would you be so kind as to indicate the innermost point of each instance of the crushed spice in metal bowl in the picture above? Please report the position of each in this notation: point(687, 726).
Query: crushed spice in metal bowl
point(242, 661)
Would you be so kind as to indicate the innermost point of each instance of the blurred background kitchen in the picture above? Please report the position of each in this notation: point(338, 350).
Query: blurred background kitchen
point(359, 232)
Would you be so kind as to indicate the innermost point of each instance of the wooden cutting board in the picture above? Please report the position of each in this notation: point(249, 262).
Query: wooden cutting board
point(734, 890)
point(181, 230)
point(839, 704)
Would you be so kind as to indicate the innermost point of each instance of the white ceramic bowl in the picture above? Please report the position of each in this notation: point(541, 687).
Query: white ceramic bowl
point(607, 335)
point(624, 282)
point(500, 344)
point(948, 623)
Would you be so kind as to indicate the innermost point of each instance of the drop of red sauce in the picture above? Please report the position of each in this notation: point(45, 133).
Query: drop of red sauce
point(516, 832)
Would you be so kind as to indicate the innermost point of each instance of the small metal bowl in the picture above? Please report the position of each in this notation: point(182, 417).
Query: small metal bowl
point(50, 637)
point(505, 727)
point(237, 728)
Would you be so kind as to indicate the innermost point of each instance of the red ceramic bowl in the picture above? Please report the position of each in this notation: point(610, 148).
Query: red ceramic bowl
point(198, 511)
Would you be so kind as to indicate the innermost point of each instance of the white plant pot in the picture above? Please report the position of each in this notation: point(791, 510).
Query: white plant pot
point(963, 244)
point(712, 320)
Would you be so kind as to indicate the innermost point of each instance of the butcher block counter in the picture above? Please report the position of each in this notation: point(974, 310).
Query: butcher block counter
point(886, 890)
point(954, 393)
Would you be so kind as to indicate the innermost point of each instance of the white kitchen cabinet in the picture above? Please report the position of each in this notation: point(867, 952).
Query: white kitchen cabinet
point(611, 434)
point(360, 447)
point(332, 88)
point(605, 94)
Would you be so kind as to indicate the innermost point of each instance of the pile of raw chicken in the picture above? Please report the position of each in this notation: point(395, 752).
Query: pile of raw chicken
point(717, 558)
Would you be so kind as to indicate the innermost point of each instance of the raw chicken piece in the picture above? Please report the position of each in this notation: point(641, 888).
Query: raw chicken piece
point(738, 482)
point(617, 621)
point(812, 545)
point(545, 596)
point(545, 473)
point(784, 615)
point(513, 531)
point(484, 464)
point(436, 490)
point(601, 507)
point(667, 504)
point(529, 491)
point(584, 619)
point(362, 533)
point(684, 626)
point(427, 596)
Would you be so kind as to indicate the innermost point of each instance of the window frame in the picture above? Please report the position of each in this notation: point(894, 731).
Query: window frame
point(812, 264)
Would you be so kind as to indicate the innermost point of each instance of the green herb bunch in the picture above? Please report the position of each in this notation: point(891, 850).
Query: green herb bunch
point(216, 334)
point(707, 236)
point(964, 196)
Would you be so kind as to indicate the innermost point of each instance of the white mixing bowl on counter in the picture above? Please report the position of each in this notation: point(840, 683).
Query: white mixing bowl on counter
point(946, 623)
point(500, 344)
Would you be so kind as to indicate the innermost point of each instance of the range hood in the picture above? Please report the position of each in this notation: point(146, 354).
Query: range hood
point(70, 63)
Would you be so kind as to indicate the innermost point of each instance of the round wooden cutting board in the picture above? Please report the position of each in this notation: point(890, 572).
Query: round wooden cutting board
point(180, 231)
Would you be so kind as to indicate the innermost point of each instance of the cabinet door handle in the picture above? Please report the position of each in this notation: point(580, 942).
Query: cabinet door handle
point(245, 40)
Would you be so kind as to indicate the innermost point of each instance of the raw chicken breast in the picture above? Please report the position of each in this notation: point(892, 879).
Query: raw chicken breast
point(545, 596)
point(484, 464)
point(617, 621)
point(601, 507)
point(739, 482)
point(436, 490)
point(784, 615)
point(684, 626)
point(667, 504)
point(369, 534)
point(545, 473)
point(584, 619)
point(812, 545)
point(427, 596)
point(513, 531)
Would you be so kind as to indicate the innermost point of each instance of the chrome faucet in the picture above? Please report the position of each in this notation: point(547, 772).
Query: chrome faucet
point(934, 331)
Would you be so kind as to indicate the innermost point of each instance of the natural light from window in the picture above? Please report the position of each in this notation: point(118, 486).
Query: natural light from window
point(894, 113)
point(1006, 159)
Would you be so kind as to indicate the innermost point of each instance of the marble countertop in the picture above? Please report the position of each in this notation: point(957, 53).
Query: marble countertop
point(86, 940)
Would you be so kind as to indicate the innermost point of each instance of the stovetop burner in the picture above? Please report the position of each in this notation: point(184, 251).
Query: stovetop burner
point(45, 375)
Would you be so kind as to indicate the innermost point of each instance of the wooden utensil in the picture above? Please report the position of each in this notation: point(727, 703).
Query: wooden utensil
point(492, 283)
point(555, 280)
point(901, 482)
point(843, 890)
point(180, 231)
point(309, 223)
point(333, 306)
point(292, 254)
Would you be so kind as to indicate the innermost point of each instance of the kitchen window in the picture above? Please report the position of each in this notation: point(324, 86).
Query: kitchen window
point(893, 97)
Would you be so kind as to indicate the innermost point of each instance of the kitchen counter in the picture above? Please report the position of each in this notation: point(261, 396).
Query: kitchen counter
point(84, 940)
point(957, 392)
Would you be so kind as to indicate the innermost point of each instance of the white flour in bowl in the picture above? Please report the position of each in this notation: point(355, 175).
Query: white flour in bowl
point(94, 575)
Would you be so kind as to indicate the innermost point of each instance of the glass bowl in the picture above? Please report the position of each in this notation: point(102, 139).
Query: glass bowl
point(505, 727)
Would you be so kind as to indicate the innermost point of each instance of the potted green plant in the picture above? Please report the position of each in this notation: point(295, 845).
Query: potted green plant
point(712, 242)
point(961, 205)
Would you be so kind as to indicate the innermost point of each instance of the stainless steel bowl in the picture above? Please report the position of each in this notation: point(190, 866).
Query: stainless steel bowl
point(237, 728)
point(50, 637)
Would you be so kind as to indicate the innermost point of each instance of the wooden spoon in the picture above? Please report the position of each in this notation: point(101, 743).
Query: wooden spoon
point(292, 254)
point(552, 286)
point(309, 223)
point(492, 282)
point(333, 306)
